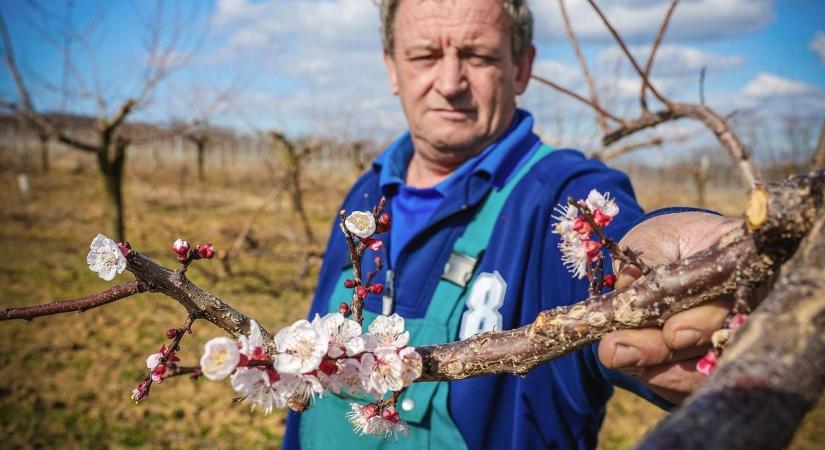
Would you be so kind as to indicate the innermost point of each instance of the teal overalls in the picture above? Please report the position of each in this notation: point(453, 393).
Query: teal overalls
point(424, 405)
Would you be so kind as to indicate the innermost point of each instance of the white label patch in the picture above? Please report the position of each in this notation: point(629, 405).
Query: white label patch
point(485, 299)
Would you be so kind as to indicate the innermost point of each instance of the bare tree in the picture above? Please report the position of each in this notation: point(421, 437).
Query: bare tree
point(111, 143)
point(624, 127)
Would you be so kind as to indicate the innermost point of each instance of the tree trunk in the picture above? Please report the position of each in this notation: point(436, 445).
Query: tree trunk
point(200, 146)
point(44, 153)
point(112, 171)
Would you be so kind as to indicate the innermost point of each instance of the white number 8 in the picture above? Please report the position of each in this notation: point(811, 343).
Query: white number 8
point(485, 299)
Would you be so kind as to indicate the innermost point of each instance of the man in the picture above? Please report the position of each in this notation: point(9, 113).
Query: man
point(472, 191)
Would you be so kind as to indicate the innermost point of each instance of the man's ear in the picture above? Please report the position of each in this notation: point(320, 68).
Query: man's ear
point(525, 69)
point(389, 63)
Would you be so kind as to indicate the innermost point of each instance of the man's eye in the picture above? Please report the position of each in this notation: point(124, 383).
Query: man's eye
point(480, 60)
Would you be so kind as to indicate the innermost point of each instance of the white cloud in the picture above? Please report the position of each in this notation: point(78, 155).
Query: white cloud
point(766, 86)
point(817, 45)
point(673, 60)
point(640, 19)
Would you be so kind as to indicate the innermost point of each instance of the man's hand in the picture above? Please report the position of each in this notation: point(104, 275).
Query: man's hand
point(665, 358)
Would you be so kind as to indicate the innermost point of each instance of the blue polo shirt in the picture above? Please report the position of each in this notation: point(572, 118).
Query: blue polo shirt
point(412, 207)
point(559, 404)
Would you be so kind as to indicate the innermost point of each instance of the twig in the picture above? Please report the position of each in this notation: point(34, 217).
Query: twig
point(591, 87)
point(620, 41)
point(81, 304)
point(615, 152)
point(578, 97)
point(652, 55)
point(626, 255)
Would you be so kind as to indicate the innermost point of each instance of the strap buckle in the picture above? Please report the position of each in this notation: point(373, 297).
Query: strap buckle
point(459, 269)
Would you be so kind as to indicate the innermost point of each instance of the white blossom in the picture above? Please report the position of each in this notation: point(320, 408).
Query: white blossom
point(340, 331)
point(153, 360)
point(574, 256)
point(382, 371)
point(220, 357)
point(360, 416)
point(361, 224)
point(595, 200)
point(369, 419)
point(303, 387)
point(388, 331)
point(259, 389)
point(565, 218)
point(301, 347)
point(105, 258)
point(411, 365)
point(253, 340)
point(386, 428)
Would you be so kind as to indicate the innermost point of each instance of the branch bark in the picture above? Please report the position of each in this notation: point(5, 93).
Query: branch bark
point(81, 304)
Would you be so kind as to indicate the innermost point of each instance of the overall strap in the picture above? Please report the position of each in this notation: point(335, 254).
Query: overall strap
point(468, 248)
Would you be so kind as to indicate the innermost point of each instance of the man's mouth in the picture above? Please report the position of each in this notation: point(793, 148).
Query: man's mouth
point(454, 113)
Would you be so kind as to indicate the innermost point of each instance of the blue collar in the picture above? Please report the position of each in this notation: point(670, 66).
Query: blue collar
point(496, 166)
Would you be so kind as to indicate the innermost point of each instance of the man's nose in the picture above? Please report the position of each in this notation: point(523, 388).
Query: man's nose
point(451, 79)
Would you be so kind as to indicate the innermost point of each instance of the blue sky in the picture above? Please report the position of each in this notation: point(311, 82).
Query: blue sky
point(314, 66)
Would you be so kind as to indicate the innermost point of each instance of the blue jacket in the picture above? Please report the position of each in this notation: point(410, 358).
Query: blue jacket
point(560, 404)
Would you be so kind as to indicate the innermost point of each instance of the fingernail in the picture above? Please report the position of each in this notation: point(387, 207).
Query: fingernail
point(626, 356)
point(686, 338)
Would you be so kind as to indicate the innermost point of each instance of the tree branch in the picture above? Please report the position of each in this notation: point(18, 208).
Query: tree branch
point(652, 55)
point(712, 120)
point(615, 152)
point(578, 97)
point(779, 217)
point(591, 87)
point(81, 304)
point(620, 41)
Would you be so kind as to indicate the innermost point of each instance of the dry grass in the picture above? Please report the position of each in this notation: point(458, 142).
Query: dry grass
point(65, 380)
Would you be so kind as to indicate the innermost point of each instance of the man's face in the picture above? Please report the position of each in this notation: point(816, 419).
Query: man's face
point(454, 71)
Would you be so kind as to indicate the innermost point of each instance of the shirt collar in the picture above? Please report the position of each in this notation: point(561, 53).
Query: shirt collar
point(496, 165)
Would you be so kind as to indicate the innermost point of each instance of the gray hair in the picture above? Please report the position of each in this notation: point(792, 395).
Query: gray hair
point(517, 12)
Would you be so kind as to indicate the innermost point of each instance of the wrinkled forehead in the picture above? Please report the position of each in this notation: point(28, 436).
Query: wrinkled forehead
point(457, 19)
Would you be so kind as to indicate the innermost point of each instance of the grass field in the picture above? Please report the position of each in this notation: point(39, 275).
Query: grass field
point(65, 380)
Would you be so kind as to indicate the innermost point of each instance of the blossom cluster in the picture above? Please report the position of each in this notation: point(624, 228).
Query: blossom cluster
point(328, 354)
point(577, 247)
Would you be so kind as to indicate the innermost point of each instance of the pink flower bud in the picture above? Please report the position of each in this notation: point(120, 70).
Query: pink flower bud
point(707, 364)
point(369, 410)
point(343, 308)
point(384, 223)
point(592, 248)
point(609, 280)
point(737, 321)
point(377, 288)
point(171, 333)
point(206, 251)
point(601, 218)
point(181, 248)
point(581, 226)
point(374, 244)
point(140, 392)
point(349, 283)
point(124, 248)
point(377, 261)
point(361, 292)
